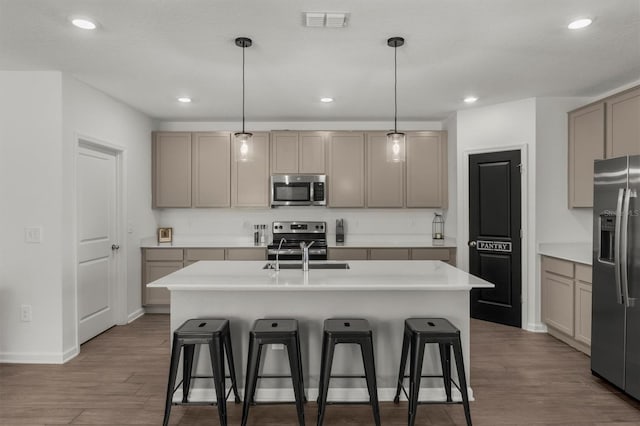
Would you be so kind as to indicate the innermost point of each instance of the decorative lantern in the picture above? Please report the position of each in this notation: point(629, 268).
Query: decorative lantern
point(437, 227)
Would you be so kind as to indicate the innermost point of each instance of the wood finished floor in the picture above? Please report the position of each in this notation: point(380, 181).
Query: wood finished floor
point(519, 378)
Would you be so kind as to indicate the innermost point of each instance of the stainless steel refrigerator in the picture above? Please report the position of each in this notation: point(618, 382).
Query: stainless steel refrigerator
point(615, 330)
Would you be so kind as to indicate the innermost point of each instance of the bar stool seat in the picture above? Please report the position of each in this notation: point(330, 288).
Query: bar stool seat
point(354, 331)
point(214, 333)
point(419, 332)
point(274, 331)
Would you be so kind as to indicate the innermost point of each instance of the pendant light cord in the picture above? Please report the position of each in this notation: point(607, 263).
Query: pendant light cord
point(395, 89)
point(243, 48)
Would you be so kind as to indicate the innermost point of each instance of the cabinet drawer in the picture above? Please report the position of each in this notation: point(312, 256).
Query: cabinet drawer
point(163, 254)
point(431, 254)
point(204, 254)
point(557, 266)
point(583, 273)
point(389, 254)
point(246, 254)
point(347, 254)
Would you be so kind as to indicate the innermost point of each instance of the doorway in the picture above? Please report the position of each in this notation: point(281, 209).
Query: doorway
point(99, 210)
point(495, 223)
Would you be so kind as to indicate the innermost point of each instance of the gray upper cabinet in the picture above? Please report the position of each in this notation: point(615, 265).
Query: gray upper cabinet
point(623, 124)
point(426, 169)
point(586, 144)
point(346, 173)
point(250, 179)
point(385, 179)
point(211, 169)
point(171, 169)
point(298, 152)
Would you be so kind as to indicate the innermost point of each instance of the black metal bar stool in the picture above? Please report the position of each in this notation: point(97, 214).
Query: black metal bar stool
point(347, 330)
point(274, 331)
point(216, 334)
point(417, 333)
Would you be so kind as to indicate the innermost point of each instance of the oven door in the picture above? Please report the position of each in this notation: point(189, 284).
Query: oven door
point(291, 194)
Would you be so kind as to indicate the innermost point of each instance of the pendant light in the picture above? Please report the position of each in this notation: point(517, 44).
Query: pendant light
point(244, 140)
point(395, 139)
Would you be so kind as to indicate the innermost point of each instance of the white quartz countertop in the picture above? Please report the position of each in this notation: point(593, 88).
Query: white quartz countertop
point(575, 252)
point(362, 276)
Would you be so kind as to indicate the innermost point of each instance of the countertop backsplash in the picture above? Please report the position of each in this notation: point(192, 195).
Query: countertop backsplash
point(236, 225)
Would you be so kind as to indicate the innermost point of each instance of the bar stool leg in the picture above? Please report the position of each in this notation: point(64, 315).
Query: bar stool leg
point(253, 363)
point(232, 368)
point(173, 370)
point(217, 365)
point(295, 378)
point(417, 355)
point(187, 367)
point(325, 373)
point(299, 353)
point(403, 364)
point(366, 348)
point(445, 362)
point(462, 379)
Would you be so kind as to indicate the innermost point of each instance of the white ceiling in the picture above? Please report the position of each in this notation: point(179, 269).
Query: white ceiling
point(148, 52)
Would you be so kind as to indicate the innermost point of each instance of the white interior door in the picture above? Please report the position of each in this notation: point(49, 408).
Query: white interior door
point(97, 244)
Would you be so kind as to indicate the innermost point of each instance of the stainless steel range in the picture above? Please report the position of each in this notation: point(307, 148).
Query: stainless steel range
point(289, 235)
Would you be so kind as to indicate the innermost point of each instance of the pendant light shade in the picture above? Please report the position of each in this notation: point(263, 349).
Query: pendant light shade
point(396, 145)
point(243, 140)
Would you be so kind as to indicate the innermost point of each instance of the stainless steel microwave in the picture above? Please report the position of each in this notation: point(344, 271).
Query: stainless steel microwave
point(298, 190)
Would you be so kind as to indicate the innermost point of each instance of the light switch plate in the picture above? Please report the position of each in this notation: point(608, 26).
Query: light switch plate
point(33, 234)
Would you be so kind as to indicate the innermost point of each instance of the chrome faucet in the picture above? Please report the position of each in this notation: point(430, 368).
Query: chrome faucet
point(282, 240)
point(305, 254)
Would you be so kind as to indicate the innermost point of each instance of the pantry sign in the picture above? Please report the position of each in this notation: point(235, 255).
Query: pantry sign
point(499, 246)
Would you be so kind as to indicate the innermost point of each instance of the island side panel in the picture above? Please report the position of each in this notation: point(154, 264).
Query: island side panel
point(386, 311)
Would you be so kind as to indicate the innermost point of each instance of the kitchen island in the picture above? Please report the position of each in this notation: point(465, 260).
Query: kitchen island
point(384, 292)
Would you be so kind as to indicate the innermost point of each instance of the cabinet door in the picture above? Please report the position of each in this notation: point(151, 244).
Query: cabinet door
point(583, 312)
point(284, 152)
point(385, 179)
point(389, 254)
point(171, 169)
point(426, 169)
point(195, 254)
point(152, 272)
point(211, 169)
point(623, 124)
point(347, 254)
point(586, 144)
point(311, 152)
point(250, 179)
point(246, 253)
point(557, 302)
point(443, 254)
point(346, 170)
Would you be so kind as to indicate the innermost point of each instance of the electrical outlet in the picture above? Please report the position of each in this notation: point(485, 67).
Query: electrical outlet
point(33, 234)
point(25, 313)
point(277, 347)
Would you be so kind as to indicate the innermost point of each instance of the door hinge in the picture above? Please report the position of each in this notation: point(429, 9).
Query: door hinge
point(520, 233)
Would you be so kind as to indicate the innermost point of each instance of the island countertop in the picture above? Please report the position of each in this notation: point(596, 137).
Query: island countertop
point(361, 276)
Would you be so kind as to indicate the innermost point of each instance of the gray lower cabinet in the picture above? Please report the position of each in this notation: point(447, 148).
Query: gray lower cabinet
point(389, 254)
point(566, 301)
point(445, 254)
point(347, 253)
point(258, 253)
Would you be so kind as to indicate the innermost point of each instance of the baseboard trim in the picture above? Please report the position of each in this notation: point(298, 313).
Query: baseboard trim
point(536, 327)
point(335, 394)
point(157, 309)
point(36, 357)
point(135, 315)
point(70, 354)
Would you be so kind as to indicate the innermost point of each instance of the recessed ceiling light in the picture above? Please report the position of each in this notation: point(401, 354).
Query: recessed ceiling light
point(470, 99)
point(84, 23)
point(579, 23)
point(326, 100)
point(184, 99)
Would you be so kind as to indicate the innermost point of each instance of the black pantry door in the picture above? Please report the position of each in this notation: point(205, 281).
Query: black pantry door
point(495, 252)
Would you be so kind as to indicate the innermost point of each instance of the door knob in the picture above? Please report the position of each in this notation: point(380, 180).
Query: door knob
point(472, 243)
point(115, 247)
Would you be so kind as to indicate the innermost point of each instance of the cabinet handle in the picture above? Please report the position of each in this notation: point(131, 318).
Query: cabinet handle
point(115, 247)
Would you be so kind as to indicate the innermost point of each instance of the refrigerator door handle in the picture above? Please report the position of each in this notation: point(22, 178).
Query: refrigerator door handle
point(616, 243)
point(624, 248)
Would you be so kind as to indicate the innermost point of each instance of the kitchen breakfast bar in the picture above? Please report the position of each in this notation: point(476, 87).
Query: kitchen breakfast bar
point(383, 292)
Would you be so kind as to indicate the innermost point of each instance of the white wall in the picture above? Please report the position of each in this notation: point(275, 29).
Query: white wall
point(555, 222)
point(90, 114)
point(502, 127)
point(31, 194)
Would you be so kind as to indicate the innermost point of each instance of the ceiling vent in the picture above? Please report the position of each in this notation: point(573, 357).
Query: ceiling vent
point(325, 19)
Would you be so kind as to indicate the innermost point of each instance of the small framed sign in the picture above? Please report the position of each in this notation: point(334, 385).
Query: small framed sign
point(165, 235)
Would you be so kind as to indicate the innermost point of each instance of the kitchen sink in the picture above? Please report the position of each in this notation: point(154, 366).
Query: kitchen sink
point(272, 265)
